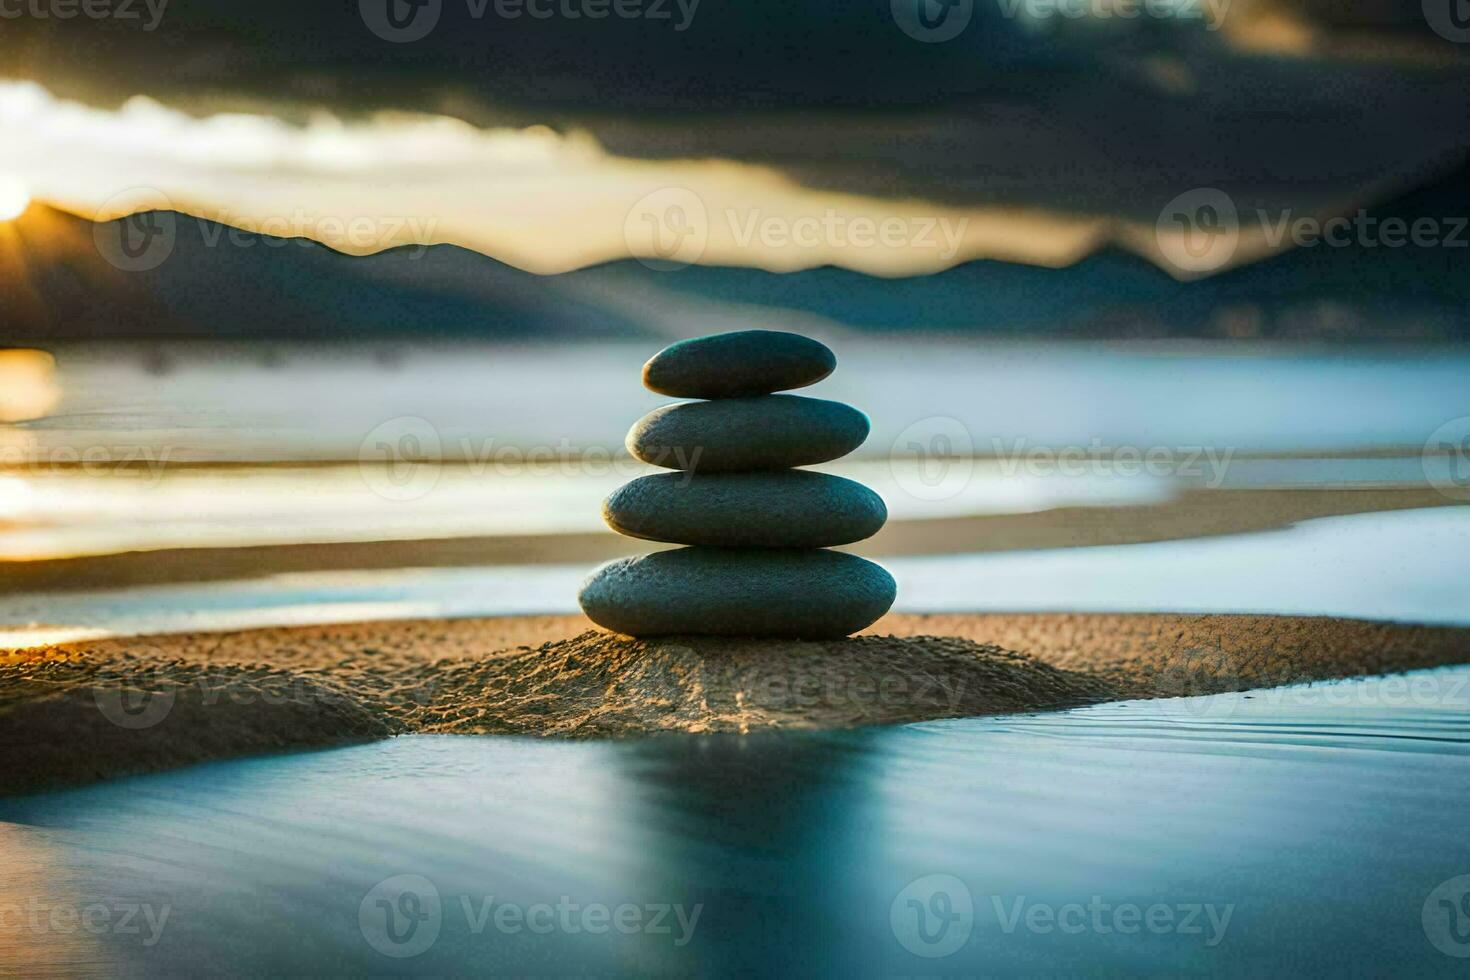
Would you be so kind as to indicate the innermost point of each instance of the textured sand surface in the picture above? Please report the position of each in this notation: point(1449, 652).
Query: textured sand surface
point(97, 709)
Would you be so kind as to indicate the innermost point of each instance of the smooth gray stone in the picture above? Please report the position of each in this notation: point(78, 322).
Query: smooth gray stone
point(746, 362)
point(780, 509)
point(738, 592)
point(768, 432)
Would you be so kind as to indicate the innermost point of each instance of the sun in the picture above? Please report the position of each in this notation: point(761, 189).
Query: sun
point(14, 198)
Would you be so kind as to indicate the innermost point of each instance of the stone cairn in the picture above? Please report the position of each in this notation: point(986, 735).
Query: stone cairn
point(756, 528)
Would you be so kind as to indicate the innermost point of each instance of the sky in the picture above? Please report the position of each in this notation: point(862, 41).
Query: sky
point(896, 139)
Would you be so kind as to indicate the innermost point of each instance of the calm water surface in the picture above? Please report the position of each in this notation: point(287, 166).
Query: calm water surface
point(1307, 831)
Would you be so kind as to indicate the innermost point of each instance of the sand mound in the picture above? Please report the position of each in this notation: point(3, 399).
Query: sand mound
point(596, 685)
point(78, 721)
point(104, 708)
point(98, 710)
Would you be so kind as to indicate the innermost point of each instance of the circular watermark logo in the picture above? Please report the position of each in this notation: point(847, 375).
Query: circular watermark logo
point(401, 458)
point(1199, 230)
point(1446, 458)
point(400, 916)
point(667, 229)
point(401, 21)
point(1446, 917)
point(932, 21)
point(1450, 19)
point(143, 239)
point(1199, 685)
point(933, 459)
point(135, 699)
point(933, 916)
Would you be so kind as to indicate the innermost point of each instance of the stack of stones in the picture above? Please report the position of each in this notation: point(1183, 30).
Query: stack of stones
point(757, 529)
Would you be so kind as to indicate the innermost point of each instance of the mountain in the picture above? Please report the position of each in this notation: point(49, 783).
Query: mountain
point(211, 282)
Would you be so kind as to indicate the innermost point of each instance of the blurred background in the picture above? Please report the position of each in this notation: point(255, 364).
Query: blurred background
point(337, 312)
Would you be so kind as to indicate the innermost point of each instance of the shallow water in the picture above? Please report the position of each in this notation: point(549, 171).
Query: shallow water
point(318, 402)
point(375, 443)
point(1311, 830)
point(1404, 565)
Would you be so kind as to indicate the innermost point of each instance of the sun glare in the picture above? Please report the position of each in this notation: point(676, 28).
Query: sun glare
point(14, 198)
point(28, 388)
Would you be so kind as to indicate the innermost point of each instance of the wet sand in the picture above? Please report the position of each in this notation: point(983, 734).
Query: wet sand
point(99, 709)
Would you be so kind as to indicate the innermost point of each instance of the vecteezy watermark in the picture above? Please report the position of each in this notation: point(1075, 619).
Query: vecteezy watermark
point(1199, 230)
point(403, 458)
point(406, 21)
point(1446, 458)
point(793, 688)
point(1450, 19)
point(142, 462)
point(136, 698)
point(36, 917)
point(1421, 689)
point(402, 916)
point(933, 916)
point(667, 229)
point(144, 237)
point(1204, 683)
point(305, 228)
point(1446, 917)
point(670, 228)
point(148, 14)
point(833, 229)
point(933, 459)
point(1198, 684)
point(149, 230)
point(1206, 463)
point(142, 697)
point(932, 21)
point(1211, 12)
point(1362, 229)
point(1208, 921)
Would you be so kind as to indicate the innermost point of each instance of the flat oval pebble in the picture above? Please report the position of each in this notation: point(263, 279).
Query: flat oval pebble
point(745, 362)
point(780, 509)
point(738, 592)
point(768, 432)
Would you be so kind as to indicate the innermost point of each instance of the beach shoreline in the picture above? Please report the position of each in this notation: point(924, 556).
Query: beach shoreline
point(93, 710)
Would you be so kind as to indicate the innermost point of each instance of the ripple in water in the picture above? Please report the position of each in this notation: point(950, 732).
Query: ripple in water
point(1313, 829)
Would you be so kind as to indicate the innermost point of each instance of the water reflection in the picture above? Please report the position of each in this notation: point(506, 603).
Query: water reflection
point(765, 832)
point(1309, 823)
point(48, 923)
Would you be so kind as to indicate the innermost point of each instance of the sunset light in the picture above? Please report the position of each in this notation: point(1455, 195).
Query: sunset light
point(688, 489)
point(14, 198)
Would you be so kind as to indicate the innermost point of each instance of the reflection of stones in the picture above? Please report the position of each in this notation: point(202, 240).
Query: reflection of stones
point(738, 434)
point(780, 509)
point(759, 526)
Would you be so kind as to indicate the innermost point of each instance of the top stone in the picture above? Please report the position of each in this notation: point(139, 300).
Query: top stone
point(730, 365)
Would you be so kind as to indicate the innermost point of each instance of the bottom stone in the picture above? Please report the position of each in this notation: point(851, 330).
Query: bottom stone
point(737, 592)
